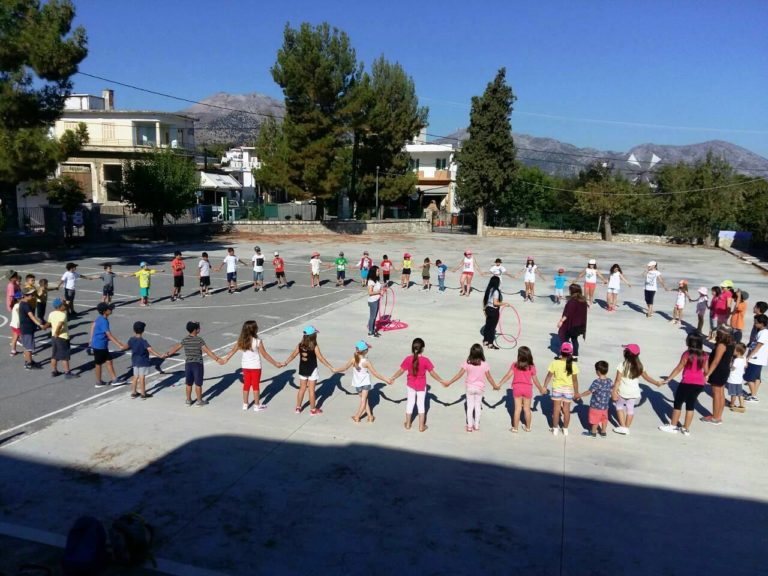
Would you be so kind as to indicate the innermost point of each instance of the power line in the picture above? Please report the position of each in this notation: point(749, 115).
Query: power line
point(670, 193)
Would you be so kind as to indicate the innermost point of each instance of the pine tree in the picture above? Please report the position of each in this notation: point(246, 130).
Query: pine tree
point(486, 162)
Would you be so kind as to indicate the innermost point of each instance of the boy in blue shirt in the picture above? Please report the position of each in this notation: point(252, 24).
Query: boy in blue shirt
point(140, 351)
point(100, 339)
point(441, 270)
point(560, 282)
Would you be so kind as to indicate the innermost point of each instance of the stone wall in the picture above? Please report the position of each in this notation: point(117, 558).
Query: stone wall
point(318, 227)
point(573, 235)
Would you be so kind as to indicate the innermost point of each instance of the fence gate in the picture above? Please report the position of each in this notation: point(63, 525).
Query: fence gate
point(462, 223)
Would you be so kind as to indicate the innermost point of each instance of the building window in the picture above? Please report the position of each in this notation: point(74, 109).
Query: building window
point(180, 137)
point(113, 173)
point(441, 163)
point(145, 135)
point(107, 132)
point(414, 164)
point(166, 137)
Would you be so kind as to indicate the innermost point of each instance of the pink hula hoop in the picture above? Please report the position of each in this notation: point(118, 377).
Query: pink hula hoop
point(510, 337)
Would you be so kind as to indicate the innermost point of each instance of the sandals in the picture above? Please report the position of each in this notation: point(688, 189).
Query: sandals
point(356, 419)
point(371, 419)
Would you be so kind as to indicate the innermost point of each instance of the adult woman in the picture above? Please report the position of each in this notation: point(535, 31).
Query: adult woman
point(717, 375)
point(468, 265)
point(652, 279)
point(374, 299)
point(573, 322)
point(492, 304)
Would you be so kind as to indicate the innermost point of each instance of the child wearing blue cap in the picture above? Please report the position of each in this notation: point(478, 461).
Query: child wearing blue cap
point(361, 378)
point(144, 274)
point(309, 353)
point(60, 339)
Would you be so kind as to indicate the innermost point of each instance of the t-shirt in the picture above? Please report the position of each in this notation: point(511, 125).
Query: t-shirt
point(720, 305)
point(441, 270)
point(58, 318)
point(497, 270)
point(99, 340)
point(590, 275)
point(139, 351)
point(561, 380)
point(11, 292)
point(737, 318)
point(376, 288)
point(560, 281)
point(386, 266)
point(701, 305)
point(614, 281)
point(26, 324)
point(193, 348)
point(417, 381)
point(341, 263)
point(761, 358)
point(177, 265)
point(736, 375)
point(494, 295)
point(425, 270)
point(69, 278)
point(522, 380)
point(314, 265)
point(15, 316)
point(258, 262)
point(407, 263)
point(530, 273)
point(365, 263)
point(651, 279)
point(108, 278)
point(468, 266)
point(251, 359)
point(628, 387)
point(475, 375)
point(144, 275)
point(601, 393)
point(694, 374)
point(204, 267)
point(279, 264)
point(230, 260)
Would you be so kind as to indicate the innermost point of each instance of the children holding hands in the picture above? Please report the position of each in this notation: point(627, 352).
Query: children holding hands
point(477, 371)
point(361, 378)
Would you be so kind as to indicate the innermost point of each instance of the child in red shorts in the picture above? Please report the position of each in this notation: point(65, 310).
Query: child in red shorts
point(253, 349)
point(600, 389)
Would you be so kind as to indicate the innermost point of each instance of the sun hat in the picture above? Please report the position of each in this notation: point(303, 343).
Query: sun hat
point(703, 291)
point(315, 253)
point(566, 348)
point(529, 258)
point(592, 261)
point(726, 284)
point(57, 303)
point(362, 346)
point(633, 348)
point(139, 326)
point(561, 270)
point(142, 265)
point(652, 263)
point(309, 330)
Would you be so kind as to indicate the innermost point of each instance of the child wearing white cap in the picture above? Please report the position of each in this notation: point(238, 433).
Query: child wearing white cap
point(590, 275)
point(144, 274)
point(702, 305)
point(361, 378)
point(652, 279)
point(308, 351)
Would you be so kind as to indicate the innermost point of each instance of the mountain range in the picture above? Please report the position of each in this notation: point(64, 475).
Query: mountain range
point(236, 118)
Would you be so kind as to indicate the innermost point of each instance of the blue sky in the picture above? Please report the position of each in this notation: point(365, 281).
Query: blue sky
point(599, 73)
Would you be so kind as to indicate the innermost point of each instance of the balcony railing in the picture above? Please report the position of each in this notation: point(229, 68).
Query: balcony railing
point(435, 175)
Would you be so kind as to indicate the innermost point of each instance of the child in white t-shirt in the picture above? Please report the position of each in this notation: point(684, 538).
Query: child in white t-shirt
point(736, 378)
point(314, 270)
point(702, 306)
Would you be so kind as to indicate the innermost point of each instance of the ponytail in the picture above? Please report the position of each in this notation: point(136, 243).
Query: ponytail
point(417, 347)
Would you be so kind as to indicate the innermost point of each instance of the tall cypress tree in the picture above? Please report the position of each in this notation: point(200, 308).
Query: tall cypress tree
point(486, 162)
point(39, 52)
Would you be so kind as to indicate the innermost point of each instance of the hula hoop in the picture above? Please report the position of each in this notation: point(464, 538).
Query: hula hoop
point(384, 321)
point(513, 336)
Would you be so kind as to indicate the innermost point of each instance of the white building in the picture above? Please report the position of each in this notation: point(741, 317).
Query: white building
point(240, 163)
point(435, 167)
point(114, 136)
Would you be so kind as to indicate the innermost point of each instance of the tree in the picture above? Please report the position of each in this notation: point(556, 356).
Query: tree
point(317, 69)
point(65, 192)
point(39, 52)
point(602, 193)
point(161, 184)
point(272, 151)
point(486, 162)
point(753, 215)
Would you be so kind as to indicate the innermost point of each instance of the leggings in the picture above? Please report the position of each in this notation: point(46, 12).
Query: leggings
point(373, 311)
point(687, 394)
point(416, 398)
point(491, 321)
point(474, 407)
point(626, 405)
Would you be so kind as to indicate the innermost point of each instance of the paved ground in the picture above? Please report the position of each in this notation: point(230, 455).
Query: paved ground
point(280, 493)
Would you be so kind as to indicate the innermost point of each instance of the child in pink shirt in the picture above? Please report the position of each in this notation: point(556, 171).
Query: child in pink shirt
point(417, 367)
point(477, 372)
point(523, 375)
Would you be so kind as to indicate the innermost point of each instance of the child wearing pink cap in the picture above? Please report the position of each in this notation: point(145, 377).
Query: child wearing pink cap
point(563, 373)
point(680, 299)
point(530, 271)
point(468, 265)
point(405, 276)
point(626, 387)
point(477, 372)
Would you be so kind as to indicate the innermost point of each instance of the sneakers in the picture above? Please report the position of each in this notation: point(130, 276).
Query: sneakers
point(245, 406)
point(621, 430)
point(685, 432)
point(55, 373)
point(711, 420)
point(201, 403)
point(752, 399)
point(668, 428)
point(588, 433)
point(565, 430)
point(69, 375)
point(189, 402)
point(259, 407)
point(315, 411)
point(135, 395)
point(102, 384)
point(468, 428)
point(555, 431)
point(297, 410)
point(147, 395)
point(32, 366)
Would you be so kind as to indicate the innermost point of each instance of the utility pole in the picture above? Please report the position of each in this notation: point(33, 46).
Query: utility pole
point(377, 192)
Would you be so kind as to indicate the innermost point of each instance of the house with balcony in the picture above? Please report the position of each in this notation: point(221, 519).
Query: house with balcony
point(435, 167)
point(240, 163)
point(114, 136)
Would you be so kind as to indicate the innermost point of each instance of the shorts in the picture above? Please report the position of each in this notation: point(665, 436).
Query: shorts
point(193, 373)
point(365, 387)
point(251, 379)
point(522, 391)
point(678, 307)
point(406, 271)
point(279, 274)
point(753, 372)
point(340, 274)
point(385, 276)
point(470, 274)
point(144, 292)
point(142, 370)
point(559, 292)
point(626, 405)
point(205, 281)
point(231, 276)
point(649, 296)
point(564, 394)
point(613, 290)
point(15, 331)
point(28, 341)
point(258, 276)
point(590, 285)
point(597, 416)
point(687, 394)
point(364, 273)
point(314, 377)
point(108, 290)
point(60, 349)
point(735, 389)
point(101, 356)
point(712, 323)
point(178, 281)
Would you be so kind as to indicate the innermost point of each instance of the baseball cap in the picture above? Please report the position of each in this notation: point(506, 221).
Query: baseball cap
point(138, 327)
point(566, 348)
point(407, 255)
point(315, 253)
point(592, 261)
point(257, 248)
point(633, 348)
point(362, 346)
point(561, 270)
point(277, 253)
point(102, 307)
point(529, 258)
point(726, 284)
point(192, 326)
point(703, 291)
point(309, 330)
point(651, 263)
point(468, 252)
point(57, 302)
point(142, 265)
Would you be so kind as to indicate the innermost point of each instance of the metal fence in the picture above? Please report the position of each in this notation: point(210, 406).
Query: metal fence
point(32, 220)
point(120, 216)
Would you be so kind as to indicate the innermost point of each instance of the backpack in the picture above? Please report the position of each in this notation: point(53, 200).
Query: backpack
point(87, 550)
point(132, 540)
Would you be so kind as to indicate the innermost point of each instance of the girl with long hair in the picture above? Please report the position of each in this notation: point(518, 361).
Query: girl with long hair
point(590, 275)
point(719, 370)
point(492, 305)
point(530, 271)
point(375, 290)
point(308, 351)
point(361, 377)
point(573, 321)
point(477, 371)
point(626, 391)
point(615, 278)
point(694, 364)
point(563, 372)
point(523, 374)
point(416, 365)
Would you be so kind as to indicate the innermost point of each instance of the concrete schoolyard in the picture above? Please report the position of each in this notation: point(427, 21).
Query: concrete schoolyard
point(274, 492)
